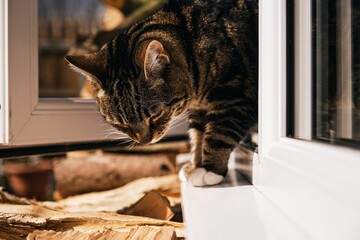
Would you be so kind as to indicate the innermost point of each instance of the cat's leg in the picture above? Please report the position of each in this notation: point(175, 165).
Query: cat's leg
point(196, 134)
point(196, 142)
point(196, 139)
point(224, 129)
point(215, 155)
point(223, 132)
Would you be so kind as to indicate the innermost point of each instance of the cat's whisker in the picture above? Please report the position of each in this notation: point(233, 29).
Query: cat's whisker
point(117, 133)
point(124, 143)
point(104, 138)
point(178, 121)
point(133, 145)
point(111, 132)
point(174, 126)
point(107, 131)
point(102, 123)
point(183, 115)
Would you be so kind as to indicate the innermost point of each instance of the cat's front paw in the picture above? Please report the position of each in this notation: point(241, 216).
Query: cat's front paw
point(200, 177)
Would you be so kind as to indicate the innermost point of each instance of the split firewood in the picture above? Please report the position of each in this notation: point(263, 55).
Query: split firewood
point(138, 233)
point(93, 215)
point(153, 205)
point(128, 199)
point(116, 200)
point(12, 199)
point(30, 221)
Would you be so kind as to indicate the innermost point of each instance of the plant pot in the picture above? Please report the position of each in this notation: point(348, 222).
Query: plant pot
point(30, 180)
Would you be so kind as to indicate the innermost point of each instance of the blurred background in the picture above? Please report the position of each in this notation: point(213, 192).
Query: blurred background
point(77, 27)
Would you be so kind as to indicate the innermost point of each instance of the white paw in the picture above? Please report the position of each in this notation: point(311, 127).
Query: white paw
point(200, 177)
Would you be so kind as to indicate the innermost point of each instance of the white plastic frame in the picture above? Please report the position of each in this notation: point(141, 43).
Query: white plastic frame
point(316, 185)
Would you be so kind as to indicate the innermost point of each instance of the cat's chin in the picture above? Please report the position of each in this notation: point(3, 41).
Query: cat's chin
point(158, 138)
point(155, 140)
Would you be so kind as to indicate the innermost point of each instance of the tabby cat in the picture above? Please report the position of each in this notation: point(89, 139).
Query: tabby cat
point(195, 57)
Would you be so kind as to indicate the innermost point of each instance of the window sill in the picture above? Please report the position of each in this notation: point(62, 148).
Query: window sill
point(232, 210)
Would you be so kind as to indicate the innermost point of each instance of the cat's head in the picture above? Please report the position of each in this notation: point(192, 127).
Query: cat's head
point(138, 88)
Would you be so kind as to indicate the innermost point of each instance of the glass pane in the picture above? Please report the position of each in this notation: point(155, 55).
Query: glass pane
point(65, 26)
point(76, 27)
point(336, 47)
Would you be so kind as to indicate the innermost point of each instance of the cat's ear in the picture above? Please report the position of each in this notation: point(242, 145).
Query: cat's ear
point(155, 60)
point(92, 65)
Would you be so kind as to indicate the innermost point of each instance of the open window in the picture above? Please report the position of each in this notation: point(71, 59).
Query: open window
point(42, 101)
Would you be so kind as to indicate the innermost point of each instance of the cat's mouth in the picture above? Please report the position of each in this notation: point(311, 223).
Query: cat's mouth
point(148, 139)
point(155, 140)
point(143, 135)
point(157, 137)
point(143, 139)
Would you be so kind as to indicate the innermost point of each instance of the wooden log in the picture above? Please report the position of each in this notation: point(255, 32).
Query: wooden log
point(116, 200)
point(102, 171)
point(29, 179)
point(166, 147)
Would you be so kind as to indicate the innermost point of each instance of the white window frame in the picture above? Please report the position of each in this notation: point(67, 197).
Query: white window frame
point(316, 185)
point(4, 104)
point(25, 118)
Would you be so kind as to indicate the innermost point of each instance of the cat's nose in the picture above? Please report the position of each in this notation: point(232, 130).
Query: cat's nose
point(143, 134)
point(144, 138)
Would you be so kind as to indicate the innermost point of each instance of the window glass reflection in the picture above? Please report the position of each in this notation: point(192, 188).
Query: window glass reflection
point(336, 65)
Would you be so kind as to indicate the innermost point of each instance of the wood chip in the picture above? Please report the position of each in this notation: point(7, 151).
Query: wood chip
point(153, 205)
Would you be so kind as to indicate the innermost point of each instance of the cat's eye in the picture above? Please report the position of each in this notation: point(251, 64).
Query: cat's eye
point(122, 127)
point(154, 110)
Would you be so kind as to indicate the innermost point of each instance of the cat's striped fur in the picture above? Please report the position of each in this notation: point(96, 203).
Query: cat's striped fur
point(195, 56)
